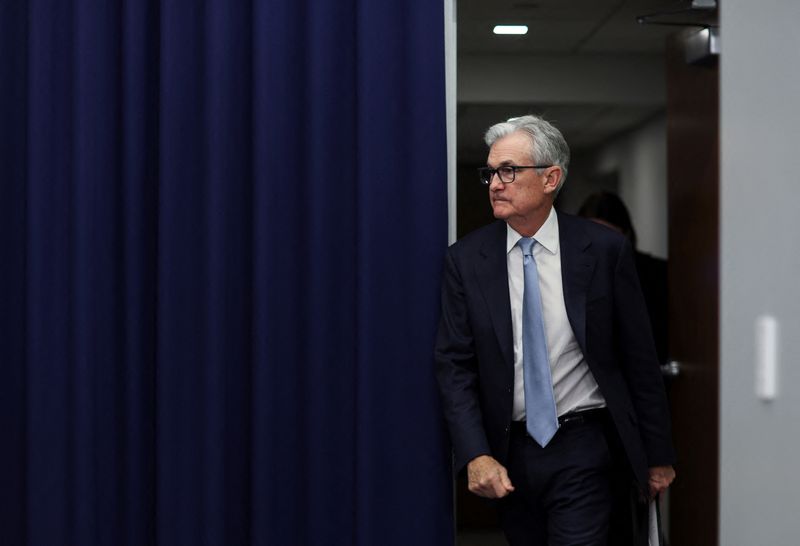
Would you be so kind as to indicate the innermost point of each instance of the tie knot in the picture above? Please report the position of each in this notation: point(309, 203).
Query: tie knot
point(526, 244)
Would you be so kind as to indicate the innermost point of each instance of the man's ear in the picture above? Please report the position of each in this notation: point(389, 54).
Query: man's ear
point(553, 179)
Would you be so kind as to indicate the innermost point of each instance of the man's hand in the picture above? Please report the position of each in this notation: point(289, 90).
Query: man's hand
point(488, 478)
point(660, 478)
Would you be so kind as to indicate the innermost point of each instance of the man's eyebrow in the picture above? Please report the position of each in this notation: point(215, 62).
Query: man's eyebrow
point(504, 163)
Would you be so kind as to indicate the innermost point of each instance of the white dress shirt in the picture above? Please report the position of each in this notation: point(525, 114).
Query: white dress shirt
point(574, 387)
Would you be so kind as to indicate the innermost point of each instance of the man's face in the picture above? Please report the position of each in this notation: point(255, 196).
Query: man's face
point(530, 195)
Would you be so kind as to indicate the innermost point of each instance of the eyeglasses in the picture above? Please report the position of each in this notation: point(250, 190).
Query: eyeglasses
point(506, 173)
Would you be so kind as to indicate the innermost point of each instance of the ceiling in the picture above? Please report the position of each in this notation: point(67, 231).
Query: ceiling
point(561, 26)
point(587, 65)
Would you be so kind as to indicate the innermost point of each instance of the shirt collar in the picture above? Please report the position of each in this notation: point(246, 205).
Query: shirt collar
point(547, 236)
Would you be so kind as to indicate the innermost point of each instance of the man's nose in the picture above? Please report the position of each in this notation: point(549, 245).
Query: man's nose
point(495, 183)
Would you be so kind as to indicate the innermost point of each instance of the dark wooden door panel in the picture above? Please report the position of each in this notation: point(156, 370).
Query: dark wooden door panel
point(693, 190)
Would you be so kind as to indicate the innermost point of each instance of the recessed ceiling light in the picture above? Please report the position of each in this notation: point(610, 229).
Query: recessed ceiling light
point(511, 29)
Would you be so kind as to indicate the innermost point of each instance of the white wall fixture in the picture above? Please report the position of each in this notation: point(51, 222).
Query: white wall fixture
point(766, 357)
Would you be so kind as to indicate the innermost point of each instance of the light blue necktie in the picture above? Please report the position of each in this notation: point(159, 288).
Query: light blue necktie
point(540, 405)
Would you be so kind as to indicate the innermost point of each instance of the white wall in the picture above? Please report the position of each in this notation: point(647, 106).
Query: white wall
point(641, 159)
point(571, 79)
point(450, 64)
point(760, 262)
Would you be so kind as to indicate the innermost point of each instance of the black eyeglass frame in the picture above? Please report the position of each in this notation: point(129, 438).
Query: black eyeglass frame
point(487, 173)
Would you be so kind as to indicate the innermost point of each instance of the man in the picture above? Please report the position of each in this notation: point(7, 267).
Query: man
point(544, 356)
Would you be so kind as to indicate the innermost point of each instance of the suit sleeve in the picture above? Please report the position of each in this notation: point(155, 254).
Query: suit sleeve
point(640, 362)
point(457, 369)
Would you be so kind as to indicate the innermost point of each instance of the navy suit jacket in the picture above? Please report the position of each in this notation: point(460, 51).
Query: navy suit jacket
point(474, 347)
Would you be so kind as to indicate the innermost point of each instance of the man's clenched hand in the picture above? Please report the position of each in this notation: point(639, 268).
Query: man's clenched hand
point(488, 478)
point(660, 479)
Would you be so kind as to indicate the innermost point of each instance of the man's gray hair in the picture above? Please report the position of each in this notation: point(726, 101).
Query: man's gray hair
point(547, 144)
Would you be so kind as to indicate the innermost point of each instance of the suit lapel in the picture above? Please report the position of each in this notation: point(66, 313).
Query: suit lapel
point(577, 266)
point(492, 274)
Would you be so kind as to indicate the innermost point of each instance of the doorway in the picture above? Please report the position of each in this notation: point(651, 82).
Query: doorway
point(602, 78)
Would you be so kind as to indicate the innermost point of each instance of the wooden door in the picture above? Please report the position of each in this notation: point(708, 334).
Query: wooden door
point(693, 193)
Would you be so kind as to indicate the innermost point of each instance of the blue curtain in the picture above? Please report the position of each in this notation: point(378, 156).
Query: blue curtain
point(221, 228)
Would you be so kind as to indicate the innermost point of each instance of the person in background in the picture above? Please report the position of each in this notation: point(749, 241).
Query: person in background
point(608, 209)
point(547, 369)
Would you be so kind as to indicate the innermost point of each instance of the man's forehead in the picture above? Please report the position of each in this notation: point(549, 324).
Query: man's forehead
point(509, 149)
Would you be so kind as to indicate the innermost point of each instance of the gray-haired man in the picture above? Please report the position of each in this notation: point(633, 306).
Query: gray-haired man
point(545, 360)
